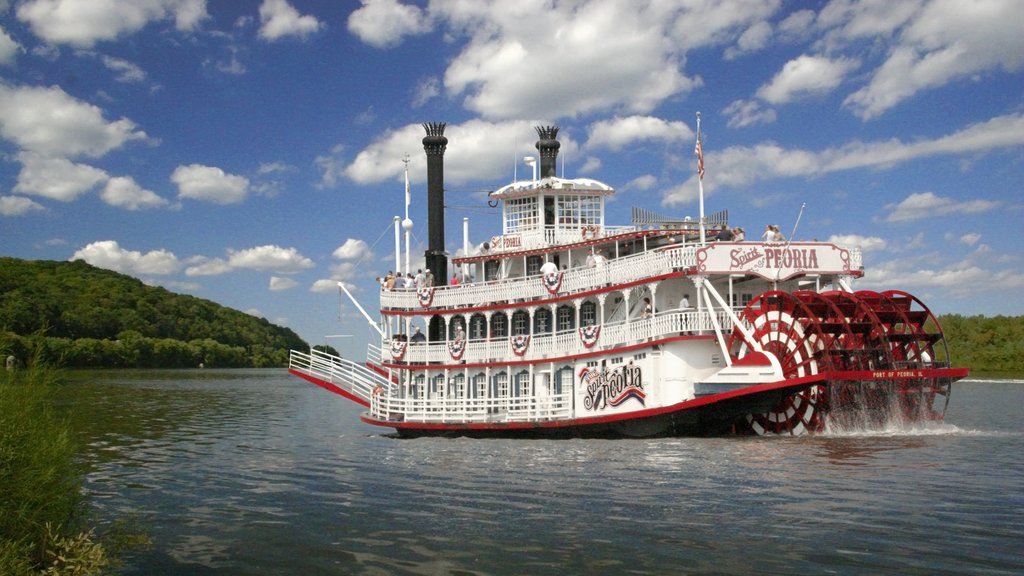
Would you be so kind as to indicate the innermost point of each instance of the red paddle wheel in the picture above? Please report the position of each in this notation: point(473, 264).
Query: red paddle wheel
point(783, 325)
point(840, 332)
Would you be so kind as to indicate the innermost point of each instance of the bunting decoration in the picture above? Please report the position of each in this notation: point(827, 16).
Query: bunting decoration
point(552, 282)
point(589, 335)
point(398, 349)
point(425, 296)
point(520, 343)
point(456, 348)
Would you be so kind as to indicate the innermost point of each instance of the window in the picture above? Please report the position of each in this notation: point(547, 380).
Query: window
point(499, 325)
point(501, 385)
point(588, 314)
point(480, 385)
point(520, 323)
point(478, 327)
point(542, 321)
point(491, 269)
point(575, 210)
point(523, 388)
point(566, 318)
point(533, 264)
point(563, 380)
point(520, 215)
point(454, 326)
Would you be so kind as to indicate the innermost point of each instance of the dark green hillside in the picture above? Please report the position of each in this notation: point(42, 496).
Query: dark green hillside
point(88, 316)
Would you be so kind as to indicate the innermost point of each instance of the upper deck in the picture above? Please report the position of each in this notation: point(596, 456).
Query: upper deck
point(770, 263)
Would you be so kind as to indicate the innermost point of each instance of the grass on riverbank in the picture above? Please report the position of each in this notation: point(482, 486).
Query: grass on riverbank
point(43, 512)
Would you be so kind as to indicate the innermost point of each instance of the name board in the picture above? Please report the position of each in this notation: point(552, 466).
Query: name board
point(506, 242)
point(605, 389)
point(772, 261)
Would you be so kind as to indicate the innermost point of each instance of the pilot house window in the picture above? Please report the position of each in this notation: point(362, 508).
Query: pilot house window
point(520, 214)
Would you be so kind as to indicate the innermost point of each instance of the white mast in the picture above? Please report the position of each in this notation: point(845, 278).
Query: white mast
point(699, 151)
point(407, 223)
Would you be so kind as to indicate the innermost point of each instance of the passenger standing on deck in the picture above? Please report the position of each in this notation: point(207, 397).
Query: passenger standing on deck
point(769, 234)
point(549, 269)
point(428, 280)
point(648, 310)
point(739, 235)
point(455, 280)
point(778, 235)
point(420, 279)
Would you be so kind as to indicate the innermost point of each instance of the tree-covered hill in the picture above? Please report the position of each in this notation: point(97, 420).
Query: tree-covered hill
point(88, 316)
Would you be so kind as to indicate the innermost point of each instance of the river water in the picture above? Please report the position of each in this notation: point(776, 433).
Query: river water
point(257, 472)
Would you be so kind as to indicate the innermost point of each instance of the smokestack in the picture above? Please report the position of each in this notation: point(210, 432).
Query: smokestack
point(548, 147)
point(434, 144)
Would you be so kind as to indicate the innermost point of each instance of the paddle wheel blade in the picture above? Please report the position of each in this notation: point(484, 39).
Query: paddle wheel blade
point(879, 353)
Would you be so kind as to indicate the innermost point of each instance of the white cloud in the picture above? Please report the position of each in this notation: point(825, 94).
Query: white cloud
point(17, 206)
point(927, 205)
point(278, 284)
point(747, 113)
point(332, 167)
point(849, 20)
point(202, 266)
point(86, 22)
point(865, 243)
point(804, 76)
point(52, 123)
point(109, 255)
point(352, 249)
point(279, 19)
point(124, 192)
point(944, 41)
point(645, 182)
point(385, 23)
point(269, 258)
point(127, 72)
point(209, 184)
point(619, 132)
point(56, 178)
point(961, 279)
point(330, 286)
point(740, 166)
point(754, 38)
point(426, 90)
point(9, 49)
point(523, 57)
point(477, 157)
point(970, 239)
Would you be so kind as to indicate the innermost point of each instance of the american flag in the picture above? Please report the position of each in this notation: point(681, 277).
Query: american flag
point(700, 159)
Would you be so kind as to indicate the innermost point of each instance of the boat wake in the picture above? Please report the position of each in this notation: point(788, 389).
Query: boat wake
point(915, 429)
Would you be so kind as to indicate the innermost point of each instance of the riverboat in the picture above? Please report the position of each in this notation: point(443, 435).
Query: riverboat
point(566, 325)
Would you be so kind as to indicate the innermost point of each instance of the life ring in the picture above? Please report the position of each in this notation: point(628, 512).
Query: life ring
point(590, 231)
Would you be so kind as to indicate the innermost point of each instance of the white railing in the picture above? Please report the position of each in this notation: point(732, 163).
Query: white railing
point(569, 342)
point(615, 271)
point(455, 410)
point(350, 376)
point(575, 280)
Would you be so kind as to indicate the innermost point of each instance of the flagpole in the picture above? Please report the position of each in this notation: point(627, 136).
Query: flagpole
point(407, 223)
point(699, 151)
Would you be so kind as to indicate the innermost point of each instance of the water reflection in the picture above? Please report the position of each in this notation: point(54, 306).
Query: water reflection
point(252, 473)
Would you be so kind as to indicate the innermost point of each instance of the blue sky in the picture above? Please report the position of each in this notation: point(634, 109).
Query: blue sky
point(251, 152)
